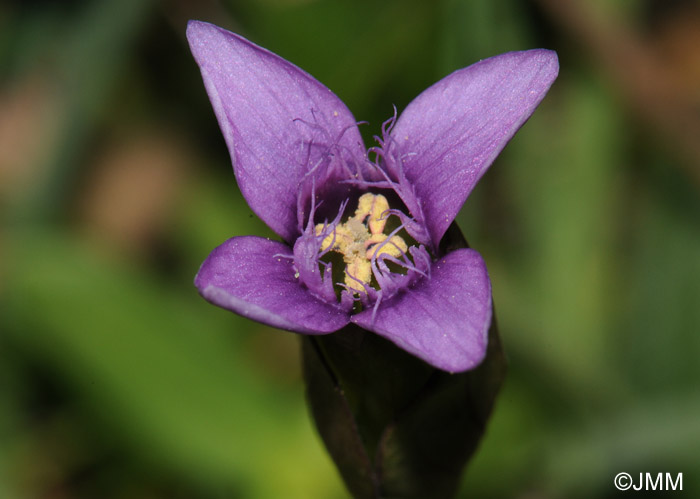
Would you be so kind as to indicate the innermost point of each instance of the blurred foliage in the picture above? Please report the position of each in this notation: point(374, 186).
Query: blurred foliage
point(117, 380)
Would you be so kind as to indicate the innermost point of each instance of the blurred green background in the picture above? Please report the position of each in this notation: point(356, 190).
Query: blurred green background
point(118, 381)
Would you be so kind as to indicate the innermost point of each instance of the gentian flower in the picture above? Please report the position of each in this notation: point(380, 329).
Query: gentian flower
point(360, 229)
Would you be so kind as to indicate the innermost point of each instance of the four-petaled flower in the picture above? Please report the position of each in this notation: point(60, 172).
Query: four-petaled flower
point(361, 228)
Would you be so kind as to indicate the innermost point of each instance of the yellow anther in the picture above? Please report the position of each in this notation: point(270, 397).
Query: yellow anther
point(339, 237)
point(364, 206)
point(361, 271)
point(376, 207)
point(358, 245)
point(377, 244)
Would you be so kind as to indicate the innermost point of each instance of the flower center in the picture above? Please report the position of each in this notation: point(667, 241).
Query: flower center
point(375, 258)
point(361, 239)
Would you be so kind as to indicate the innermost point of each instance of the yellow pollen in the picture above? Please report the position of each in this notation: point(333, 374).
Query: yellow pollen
point(362, 238)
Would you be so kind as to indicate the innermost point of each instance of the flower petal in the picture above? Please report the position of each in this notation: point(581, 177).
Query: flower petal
point(445, 318)
point(278, 121)
point(451, 133)
point(248, 275)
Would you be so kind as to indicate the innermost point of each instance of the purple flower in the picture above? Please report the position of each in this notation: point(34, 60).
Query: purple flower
point(361, 228)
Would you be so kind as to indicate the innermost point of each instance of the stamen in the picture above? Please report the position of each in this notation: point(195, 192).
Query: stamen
point(361, 240)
